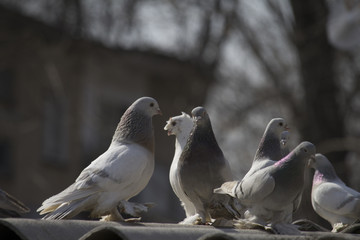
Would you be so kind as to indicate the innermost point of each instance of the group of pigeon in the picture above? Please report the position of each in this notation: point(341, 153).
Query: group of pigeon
point(201, 177)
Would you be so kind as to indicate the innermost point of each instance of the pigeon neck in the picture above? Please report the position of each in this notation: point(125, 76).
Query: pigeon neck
point(269, 147)
point(201, 136)
point(136, 127)
point(204, 134)
point(290, 161)
point(325, 173)
point(318, 178)
point(181, 140)
point(293, 169)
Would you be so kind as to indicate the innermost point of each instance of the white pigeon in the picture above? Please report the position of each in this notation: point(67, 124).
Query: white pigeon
point(269, 149)
point(331, 198)
point(180, 126)
point(118, 174)
point(273, 193)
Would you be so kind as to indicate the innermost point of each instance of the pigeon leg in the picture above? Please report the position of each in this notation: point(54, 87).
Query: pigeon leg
point(113, 216)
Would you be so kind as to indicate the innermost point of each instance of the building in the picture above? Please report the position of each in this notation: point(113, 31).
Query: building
point(61, 99)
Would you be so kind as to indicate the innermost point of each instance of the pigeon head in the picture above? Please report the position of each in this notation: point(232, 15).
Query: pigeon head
point(136, 123)
point(320, 161)
point(303, 152)
point(323, 166)
point(269, 146)
point(277, 126)
point(177, 124)
point(200, 115)
point(147, 105)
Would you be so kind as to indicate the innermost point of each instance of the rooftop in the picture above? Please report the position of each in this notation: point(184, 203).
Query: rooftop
point(16, 228)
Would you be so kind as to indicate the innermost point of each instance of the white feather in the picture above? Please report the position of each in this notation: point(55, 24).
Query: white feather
point(182, 128)
point(118, 174)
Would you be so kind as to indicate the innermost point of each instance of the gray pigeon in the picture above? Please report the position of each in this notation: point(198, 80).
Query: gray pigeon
point(10, 206)
point(202, 167)
point(269, 149)
point(118, 174)
point(273, 193)
point(331, 198)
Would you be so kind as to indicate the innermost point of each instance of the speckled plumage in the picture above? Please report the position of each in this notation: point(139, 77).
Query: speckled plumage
point(118, 174)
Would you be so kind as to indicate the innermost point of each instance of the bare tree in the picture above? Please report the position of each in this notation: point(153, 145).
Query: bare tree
point(306, 88)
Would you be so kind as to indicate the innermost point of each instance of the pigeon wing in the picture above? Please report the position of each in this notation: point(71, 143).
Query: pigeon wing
point(257, 186)
point(337, 199)
point(118, 168)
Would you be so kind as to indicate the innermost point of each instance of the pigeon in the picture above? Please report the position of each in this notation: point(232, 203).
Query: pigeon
point(118, 174)
point(331, 198)
point(10, 206)
point(203, 167)
point(273, 193)
point(284, 143)
point(269, 149)
point(180, 126)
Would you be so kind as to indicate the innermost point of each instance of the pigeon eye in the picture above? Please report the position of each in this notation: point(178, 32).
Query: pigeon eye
point(173, 123)
point(305, 150)
point(281, 124)
point(151, 104)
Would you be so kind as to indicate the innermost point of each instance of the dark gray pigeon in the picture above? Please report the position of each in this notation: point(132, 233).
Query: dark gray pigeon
point(120, 173)
point(10, 206)
point(331, 198)
point(273, 193)
point(202, 167)
point(269, 149)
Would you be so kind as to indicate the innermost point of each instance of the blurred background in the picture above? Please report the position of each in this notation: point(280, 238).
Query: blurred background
point(70, 68)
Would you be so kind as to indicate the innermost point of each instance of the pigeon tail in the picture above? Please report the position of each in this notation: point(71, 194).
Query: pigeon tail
point(68, 210)
point(228, 188)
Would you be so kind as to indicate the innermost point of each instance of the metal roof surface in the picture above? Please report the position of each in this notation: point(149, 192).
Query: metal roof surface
point(31, 229)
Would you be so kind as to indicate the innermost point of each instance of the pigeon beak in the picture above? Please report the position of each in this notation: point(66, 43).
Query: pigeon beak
point(159, 111)
point(311, 161)
point(286, 127)
point(197, 118)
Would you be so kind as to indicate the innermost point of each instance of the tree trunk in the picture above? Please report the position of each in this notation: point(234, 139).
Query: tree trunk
point(322, 118)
